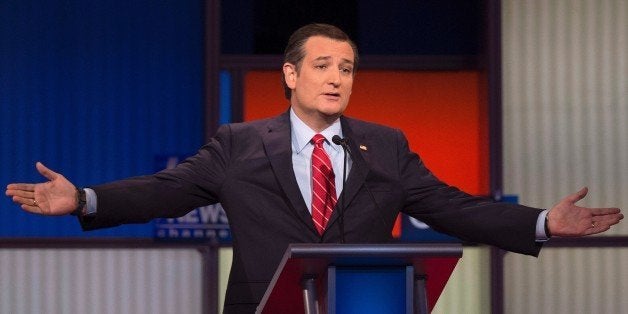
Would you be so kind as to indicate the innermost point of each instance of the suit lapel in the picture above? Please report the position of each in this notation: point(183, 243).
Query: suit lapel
point(278, 147)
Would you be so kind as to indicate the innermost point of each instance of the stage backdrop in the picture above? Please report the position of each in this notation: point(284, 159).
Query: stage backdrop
point(95, 90)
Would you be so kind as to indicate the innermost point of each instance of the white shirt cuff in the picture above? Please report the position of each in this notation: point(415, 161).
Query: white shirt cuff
point(541, 236)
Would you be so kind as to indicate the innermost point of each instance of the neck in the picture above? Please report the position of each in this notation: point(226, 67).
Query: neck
point(317, 121)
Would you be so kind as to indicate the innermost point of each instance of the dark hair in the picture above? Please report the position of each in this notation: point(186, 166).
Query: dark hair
point(295, 53)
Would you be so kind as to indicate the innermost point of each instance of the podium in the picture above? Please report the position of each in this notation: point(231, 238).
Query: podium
point(360, 278)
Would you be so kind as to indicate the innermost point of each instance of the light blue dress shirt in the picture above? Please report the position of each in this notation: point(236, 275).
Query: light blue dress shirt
point(302, 147)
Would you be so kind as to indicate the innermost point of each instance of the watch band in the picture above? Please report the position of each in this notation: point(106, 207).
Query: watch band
point(548, 234)
point(81, 200)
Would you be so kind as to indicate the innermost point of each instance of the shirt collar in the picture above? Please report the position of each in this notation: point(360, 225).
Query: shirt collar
point(302, 134)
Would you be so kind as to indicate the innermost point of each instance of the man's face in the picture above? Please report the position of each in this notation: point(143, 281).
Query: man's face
point(322, 86)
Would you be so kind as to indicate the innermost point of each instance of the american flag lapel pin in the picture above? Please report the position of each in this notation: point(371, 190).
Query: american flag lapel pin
point(363, 147)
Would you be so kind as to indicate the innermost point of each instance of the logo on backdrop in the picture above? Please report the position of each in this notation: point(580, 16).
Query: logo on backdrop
point(207, 223)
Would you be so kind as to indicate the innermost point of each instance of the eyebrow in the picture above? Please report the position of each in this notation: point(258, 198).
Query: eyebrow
point(325, 58)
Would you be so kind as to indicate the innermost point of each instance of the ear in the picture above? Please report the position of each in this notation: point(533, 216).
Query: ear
point(290, 74)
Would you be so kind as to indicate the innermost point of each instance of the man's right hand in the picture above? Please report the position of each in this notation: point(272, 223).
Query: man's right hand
point(57, 196)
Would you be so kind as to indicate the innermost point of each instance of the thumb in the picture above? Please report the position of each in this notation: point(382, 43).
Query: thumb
point(574, 198)
point(44, 171)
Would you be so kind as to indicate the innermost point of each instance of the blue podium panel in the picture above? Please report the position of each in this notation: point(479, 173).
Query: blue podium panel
point(370, 290)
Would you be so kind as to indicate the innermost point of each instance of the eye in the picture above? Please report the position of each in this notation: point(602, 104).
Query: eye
point(346, 70)
point(321, 66)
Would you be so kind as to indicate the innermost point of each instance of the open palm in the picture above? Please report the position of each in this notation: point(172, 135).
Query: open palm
point(57, 196)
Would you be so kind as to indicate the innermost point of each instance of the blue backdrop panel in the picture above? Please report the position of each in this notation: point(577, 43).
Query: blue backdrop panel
point(95, 90)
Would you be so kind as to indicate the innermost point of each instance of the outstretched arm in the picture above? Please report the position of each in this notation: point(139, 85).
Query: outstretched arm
point(566, 219)
point(57, 196)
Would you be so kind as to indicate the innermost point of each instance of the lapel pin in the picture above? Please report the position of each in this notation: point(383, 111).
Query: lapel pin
point(363, 147)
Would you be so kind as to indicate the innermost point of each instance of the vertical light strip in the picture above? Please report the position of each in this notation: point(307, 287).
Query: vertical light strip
point(565, 115)
point(225, 108)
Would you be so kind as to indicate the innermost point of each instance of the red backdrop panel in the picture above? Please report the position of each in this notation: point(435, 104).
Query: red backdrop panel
point(442, 114)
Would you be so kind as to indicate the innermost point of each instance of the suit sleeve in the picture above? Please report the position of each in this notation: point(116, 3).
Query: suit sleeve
point(467, 217)
point(169, 193)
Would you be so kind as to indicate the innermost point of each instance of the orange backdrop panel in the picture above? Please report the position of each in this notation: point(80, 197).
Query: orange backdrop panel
point(441, 113)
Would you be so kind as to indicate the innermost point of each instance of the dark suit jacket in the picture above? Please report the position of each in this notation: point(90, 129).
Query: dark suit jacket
point(248, 168)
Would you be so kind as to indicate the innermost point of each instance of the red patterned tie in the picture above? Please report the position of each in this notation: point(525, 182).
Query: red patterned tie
point(323, 185)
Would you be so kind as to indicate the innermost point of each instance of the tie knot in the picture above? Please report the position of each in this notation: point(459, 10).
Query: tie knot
point(318, 140)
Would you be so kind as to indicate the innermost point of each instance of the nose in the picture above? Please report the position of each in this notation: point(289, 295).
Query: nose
point(334, 78)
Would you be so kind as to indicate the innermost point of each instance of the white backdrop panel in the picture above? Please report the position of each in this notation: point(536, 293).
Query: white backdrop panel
point(100, 281)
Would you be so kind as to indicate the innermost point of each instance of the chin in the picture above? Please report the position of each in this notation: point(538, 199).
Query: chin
point(332, 110)
point(331, 113)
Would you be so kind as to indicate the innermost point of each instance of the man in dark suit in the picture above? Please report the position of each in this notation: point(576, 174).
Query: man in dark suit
point(262, 173)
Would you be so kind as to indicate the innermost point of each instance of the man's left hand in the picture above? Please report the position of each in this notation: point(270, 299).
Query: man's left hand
point(566, 219)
